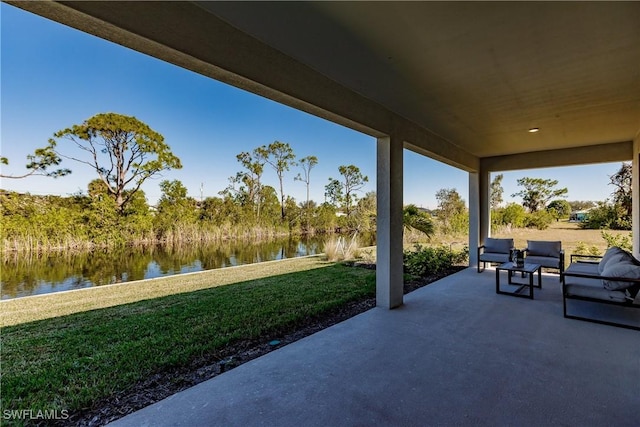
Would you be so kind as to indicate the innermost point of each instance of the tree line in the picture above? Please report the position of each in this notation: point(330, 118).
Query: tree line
point(125, 152)
point(543, 203)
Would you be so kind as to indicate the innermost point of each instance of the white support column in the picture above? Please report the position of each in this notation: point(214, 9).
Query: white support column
point(635, 196)
point(474, 218)
point(389, 274)
point(485, 205)
point(479, 213)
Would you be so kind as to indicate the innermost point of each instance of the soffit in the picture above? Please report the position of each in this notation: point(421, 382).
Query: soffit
point(478, 74)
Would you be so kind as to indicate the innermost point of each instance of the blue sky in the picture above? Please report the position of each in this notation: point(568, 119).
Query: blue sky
point(53, 77)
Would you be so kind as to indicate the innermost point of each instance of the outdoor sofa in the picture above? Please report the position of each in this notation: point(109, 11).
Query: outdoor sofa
point(494, 251)
point(612, 279)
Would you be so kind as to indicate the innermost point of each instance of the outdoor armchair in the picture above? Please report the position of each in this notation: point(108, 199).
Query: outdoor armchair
point(546, 254)
point(494, 251)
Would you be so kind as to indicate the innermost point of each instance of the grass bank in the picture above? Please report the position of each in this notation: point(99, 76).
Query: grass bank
point(73, 361)
point(21, 310)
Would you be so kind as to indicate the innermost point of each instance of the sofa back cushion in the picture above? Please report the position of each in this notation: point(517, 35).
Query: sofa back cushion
point(625, 268)
point(613, 255)
point(502, 246)
point(544, 248)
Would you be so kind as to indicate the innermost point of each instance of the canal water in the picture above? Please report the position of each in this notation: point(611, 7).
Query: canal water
point(54, 272)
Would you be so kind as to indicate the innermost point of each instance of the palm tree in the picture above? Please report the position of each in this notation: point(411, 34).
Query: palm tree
point(414, 218)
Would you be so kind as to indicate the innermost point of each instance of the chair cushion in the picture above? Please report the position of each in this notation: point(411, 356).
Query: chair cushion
point(583, 268)
point(544, 261)
point(587, 290)
point(613, 254)
point(494, 257)
point(626, 269)
point(502, 246)
point(544, 248)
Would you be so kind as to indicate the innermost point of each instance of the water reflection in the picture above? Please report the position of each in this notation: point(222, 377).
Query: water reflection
point(45, 273)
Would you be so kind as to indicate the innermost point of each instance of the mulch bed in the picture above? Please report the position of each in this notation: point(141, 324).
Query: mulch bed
point(171, 381)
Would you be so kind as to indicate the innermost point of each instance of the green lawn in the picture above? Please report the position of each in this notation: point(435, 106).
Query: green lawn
point(72, 361)
point(21, 310)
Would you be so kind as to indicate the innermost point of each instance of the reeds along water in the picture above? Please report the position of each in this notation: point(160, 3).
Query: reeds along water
point(339, 248)
point(182, 234)
point(39, 244)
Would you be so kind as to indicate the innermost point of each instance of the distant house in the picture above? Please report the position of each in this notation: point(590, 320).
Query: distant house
point(431, 212)
point(578, 216)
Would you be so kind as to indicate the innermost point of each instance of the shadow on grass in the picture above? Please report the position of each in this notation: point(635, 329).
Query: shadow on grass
point(103, 362)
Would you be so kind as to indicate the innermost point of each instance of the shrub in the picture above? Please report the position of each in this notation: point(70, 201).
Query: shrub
point(583, 249)
point(623, 242)
point(423, 261)
point(607, 216)
point(339, 249)
point(540, 220)
point(513, 214)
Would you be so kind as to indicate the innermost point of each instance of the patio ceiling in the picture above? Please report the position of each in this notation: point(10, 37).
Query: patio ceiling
point(459, 81)
point(478, 74)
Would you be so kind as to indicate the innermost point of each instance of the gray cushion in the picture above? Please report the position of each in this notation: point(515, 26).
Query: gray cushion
point(613, 254)
point(583, 268)
point(544, 261)
point(494, 257)
point(544, 248)
point(502, 246)
point(594, 291)
point(626, 269)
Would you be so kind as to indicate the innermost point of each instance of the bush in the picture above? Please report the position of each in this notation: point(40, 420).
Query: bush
point(540, 220)
point(513, 214)
point(583, 249)
point(606, 216)
point(423, 261)
point(623, 242)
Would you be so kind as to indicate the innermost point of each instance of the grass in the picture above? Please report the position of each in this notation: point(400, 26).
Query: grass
point(570, 234)
point(21, 310)
point(71, 362)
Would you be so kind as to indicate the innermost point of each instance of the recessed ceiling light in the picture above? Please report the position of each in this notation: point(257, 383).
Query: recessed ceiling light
point(534, 130)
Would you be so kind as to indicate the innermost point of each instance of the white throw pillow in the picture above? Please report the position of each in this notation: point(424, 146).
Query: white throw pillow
point(626, 269)
point(613, 254)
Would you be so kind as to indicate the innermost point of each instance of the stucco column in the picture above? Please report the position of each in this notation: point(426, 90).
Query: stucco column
point(389, 284)
point(479, 213)
point(635, 196)
point(474, 217)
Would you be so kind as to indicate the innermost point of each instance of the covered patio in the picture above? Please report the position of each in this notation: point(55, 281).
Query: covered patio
point(456, 353)
point(460, 82)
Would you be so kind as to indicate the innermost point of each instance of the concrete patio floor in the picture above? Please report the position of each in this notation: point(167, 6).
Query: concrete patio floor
point(455, 354)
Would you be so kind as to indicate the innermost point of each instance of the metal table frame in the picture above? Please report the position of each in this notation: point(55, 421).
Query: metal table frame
point(510, 268)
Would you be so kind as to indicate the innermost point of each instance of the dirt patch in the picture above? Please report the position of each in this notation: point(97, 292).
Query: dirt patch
point(171, 381)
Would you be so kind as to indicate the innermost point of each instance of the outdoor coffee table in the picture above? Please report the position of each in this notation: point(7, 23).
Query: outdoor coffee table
point(510, 268)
